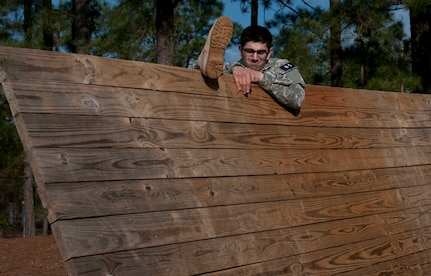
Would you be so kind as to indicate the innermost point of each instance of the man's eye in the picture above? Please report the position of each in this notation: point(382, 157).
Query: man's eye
point(259, 52)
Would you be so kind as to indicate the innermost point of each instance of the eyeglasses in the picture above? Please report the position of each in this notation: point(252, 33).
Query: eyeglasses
point(250, 52)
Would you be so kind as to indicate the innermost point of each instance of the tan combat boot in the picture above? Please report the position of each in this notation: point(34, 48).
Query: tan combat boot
point(211, 59)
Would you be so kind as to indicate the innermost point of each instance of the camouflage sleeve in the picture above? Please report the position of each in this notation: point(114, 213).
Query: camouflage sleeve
point(284, 82)
point(228, 67)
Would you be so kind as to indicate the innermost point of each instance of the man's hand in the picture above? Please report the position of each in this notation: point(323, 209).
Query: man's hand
point(244, 77)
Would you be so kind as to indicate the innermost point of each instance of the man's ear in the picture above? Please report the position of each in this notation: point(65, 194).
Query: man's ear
point(269, 54)
point(240, 50)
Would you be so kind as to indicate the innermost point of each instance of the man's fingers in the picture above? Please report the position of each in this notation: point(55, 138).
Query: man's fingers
point(245, 82)
point(243, 79)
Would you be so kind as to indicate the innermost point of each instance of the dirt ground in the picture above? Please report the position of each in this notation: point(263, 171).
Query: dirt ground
point(30, 256)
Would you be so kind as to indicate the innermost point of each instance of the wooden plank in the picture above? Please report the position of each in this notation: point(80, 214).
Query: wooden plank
point(41, 66)
point(26, 64)
point(76, 165)
point(231, 252)
point(125, 232)
point(34, 65)
point(73, 131)
point(68, 99)
point(91, 199)
point(342, 259)
point(360, 98)
point(59, 98)
point(417, 263)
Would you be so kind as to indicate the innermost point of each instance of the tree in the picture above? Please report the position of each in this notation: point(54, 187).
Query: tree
point(357, 40)
point(84, 13)
point(366, 18)
point(190, 34)
point(335, 44)
point(126, 31)
point(28, 22)
point(377, 43)
point(28, 18)
point(303, 39)
point(29, 225)
point(31, 24)
point(164, 29)
point(254, 12)
point(47, 31)
point(420, 26)
point(254, 8)
point(134, 36)
point(11, 161)
point(167, 11)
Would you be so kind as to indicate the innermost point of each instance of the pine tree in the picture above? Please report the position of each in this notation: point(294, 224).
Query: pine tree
point(420, 22)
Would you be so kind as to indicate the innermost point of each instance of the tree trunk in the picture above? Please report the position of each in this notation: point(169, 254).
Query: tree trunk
point(45, 227)
point(58, 29)
point(254, 12)
point(47, 37)
point(165, 34)
point(335, 45)
point(28, 23)
point(420, 27)
point(81, 27)
point(29, 225)
point(362, 74)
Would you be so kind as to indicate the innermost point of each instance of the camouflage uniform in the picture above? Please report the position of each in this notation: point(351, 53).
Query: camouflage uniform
point(281, 79)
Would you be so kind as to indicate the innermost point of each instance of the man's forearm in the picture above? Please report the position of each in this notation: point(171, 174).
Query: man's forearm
point(284, 90)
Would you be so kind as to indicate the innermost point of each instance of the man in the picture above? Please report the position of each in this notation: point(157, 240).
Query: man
point(278, 77)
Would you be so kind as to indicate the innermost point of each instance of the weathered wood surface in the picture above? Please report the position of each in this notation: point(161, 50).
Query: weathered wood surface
point(151, 170)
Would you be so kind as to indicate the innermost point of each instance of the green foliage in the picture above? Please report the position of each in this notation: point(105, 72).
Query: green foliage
point(5, 227)
point(10, 24)
point(387, 78)
point(418, 5)
point(190, 34)
point(127, 30)
point(304, 41)
point(378, 58)
point(11, 162)
point(10, 145)
point(376, 54)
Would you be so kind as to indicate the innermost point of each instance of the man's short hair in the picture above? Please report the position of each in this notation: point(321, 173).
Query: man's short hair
point(256, 34)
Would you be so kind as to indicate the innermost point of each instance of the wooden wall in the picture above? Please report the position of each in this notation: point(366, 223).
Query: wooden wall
point(147, 169)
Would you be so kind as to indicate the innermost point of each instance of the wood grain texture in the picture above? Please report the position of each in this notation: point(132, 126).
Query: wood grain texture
point(34, 65)
point(91, 100)
point(147, 169)
point(418, 263)
point(158, 228)
point(239, 254)
point(74, 131)
point(76, 165)
point(91, 199)
point(344, 258)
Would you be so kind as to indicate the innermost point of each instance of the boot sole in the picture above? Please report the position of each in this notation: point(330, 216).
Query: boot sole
point(221, 35)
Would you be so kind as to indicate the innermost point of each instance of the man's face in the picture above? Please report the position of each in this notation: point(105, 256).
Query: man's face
point(255, 55)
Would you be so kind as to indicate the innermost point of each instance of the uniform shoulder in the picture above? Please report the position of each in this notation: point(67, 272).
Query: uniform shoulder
point(280, 63)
